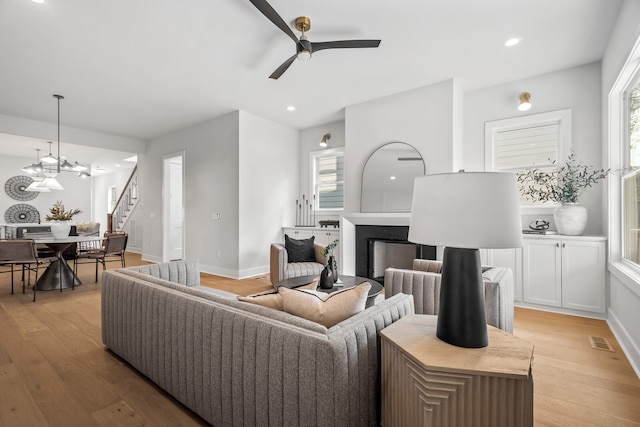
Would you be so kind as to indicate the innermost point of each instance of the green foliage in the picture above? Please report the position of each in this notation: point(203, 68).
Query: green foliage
point(329, 248)
point(58, 213)
point(563, 184)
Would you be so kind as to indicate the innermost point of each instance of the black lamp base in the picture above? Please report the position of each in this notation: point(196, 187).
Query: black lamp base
point(461, 317)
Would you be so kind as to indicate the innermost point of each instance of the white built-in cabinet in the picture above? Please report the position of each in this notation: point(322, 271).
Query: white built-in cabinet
point(323, 236)
point(565, 272)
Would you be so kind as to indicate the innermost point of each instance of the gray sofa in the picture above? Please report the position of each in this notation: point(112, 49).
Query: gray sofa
point(241, 364)
point(423, 282)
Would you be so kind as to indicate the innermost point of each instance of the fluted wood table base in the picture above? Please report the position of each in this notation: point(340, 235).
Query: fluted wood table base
point(427, 382)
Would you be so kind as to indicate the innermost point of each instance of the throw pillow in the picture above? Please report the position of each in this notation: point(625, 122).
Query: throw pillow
point(273, 299)
point(326, 309)
point(300, 250)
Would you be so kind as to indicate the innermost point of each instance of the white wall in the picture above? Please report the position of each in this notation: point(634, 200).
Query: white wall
point(426, 118)
point(76, 193)
point(238, 165)
point(268, 167)
point(577, 89)
point(211, 184)
point(624, 301)
point(310, 142)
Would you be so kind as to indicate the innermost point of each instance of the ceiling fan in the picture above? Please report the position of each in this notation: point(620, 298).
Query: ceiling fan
point(304, 48)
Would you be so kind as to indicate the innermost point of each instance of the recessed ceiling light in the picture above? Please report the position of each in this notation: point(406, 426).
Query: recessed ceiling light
point(117, 165)
point(38, 1)
point(291, 108)
point(392, 178)
point(512, 42)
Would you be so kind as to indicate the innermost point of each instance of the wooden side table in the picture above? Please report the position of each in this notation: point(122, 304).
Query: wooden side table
point(427, 382)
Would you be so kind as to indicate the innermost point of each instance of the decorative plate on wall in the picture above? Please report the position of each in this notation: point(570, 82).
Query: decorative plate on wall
point(16, 188)
point(22, 212)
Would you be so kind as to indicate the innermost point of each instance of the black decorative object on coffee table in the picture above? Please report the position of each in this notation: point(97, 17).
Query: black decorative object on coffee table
point(326, 278)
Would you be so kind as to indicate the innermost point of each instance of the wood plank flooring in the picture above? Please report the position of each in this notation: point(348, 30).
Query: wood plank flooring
point(55, 371)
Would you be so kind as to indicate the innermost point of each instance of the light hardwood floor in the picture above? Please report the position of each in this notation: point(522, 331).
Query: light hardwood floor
point(54, 370)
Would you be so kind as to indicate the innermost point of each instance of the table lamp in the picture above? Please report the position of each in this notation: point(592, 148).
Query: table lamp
point(463, 212)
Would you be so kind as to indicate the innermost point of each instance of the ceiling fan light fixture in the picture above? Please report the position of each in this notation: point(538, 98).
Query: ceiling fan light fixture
point(304, 55)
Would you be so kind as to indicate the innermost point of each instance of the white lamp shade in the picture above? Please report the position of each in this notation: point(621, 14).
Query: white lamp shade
point(51, 182)
point(36, 185)
point(466, 210)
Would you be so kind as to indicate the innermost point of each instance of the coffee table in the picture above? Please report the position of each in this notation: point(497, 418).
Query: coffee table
point(347, 282)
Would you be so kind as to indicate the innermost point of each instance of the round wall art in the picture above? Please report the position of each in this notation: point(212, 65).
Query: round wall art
point(22, 213)
point(16, 187)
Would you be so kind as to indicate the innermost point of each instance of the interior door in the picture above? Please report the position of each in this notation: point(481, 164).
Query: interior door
point(173, 201)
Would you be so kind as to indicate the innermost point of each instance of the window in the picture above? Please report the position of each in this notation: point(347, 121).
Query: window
point(631, 180)
point(533, 141)
point(328, 178)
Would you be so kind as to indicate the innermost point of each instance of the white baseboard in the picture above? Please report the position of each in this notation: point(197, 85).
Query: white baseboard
point(630, 348)
point(561, 310)
point(234, 274)
point(151, 258)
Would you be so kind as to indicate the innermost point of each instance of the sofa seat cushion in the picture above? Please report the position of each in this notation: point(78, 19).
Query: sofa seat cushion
point(273, 299)
point(325, 309)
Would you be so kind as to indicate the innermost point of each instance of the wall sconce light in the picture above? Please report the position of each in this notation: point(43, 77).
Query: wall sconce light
point(524, 101)
point(325, 138)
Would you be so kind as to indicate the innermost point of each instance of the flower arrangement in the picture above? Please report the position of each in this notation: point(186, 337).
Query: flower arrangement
point(564, 184)
point(329, 248)
point(59, 214)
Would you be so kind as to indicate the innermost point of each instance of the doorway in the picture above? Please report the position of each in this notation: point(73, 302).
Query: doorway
point(173, 207)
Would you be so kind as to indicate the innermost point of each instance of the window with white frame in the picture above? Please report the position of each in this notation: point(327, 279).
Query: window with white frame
point(533, 141)
point(631, 180)
point(328, 178)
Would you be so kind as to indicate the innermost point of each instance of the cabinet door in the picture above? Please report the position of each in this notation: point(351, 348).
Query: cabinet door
point(510, 258)
point(583, 275)
point(542, 272)
point(324, 237)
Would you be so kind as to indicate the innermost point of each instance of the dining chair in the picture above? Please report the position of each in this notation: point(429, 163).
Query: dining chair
point(21, 252)
point(112, 249)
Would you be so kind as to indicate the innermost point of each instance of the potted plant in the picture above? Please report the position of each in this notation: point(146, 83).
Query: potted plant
point(60, 226)
point(331, 261)
point(563, 185)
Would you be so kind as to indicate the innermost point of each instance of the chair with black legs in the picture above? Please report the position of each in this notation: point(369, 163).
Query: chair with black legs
point(112, 249)
point(21, 252)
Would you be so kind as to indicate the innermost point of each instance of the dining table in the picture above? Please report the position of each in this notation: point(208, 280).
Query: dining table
point(58, 274)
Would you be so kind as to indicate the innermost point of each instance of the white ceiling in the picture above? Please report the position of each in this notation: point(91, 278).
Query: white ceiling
point(146, 67)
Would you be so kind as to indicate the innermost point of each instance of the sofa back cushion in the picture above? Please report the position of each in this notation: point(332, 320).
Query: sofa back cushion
point(183, 272)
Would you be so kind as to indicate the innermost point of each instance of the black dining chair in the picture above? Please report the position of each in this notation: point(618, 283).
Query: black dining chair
point(112, 249)
point(21, 252)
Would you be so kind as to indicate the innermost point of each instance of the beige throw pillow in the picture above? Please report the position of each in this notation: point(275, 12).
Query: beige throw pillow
point(273, 299)
point(326, 309)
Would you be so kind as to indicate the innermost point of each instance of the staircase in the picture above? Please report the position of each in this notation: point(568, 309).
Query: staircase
point(125, 205)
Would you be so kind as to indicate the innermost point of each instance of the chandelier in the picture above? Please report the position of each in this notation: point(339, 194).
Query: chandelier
point(50, 166)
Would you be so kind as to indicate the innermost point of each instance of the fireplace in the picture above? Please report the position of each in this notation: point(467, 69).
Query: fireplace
point(378, 247)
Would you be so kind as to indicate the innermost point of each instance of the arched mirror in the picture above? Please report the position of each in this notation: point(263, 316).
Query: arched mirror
point(387, 178)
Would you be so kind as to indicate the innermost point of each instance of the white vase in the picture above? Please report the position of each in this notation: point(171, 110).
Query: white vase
point(570, 218)
point(60, 229)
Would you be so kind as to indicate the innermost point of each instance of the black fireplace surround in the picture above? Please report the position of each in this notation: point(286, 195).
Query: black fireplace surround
point(366, 235)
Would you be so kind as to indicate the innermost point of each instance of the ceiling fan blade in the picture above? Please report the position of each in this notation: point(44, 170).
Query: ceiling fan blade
point(282, 68)
point(345, 44)
point(273, 16)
